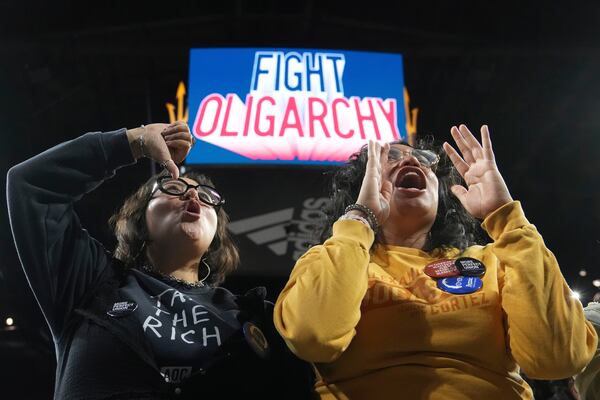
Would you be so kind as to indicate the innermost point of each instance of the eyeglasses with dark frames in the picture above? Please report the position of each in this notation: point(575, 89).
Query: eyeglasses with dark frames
point(179, 187)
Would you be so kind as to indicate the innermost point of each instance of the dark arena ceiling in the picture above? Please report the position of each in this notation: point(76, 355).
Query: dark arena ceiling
point(527, 69)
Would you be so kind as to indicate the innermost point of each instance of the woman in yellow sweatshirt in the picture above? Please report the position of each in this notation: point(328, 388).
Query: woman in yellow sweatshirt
point(388, 307)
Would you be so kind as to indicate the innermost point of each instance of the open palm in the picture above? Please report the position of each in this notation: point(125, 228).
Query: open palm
point(376, 191)
point(486, 190)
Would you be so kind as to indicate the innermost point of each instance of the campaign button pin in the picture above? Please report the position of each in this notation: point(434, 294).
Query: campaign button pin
point(122, 308)
point(470, 266)
point(460, 284)
point(441, 269)
point(256, 339)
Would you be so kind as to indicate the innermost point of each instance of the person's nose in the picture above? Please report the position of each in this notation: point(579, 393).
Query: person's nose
point(192, 193)
point(410, 160)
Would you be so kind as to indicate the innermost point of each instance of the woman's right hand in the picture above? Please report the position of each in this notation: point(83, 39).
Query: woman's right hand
point(376, 189)
point(167, 144)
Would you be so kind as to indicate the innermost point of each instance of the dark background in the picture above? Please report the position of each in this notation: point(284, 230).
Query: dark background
point(527, 69)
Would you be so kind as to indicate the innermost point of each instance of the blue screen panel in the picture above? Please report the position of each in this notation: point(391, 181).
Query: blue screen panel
point(292, 106)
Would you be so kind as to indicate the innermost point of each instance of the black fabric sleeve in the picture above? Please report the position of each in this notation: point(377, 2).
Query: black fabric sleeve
point(60, 259)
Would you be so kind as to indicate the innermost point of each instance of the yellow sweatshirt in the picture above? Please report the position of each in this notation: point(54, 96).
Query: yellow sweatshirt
point(588, 381)
point(377, 327)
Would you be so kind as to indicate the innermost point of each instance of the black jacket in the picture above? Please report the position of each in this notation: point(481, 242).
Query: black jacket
point(75, 281)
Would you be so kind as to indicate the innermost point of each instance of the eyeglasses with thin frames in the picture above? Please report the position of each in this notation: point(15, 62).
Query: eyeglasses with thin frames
point(426, 158)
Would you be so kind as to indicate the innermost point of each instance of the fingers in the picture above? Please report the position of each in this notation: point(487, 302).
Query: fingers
point(369, 153)
point(488, 152)
point(379, 169)
point(461, 166)
point(375, 191)
point(171, 167)
point(163, 156)
point(377, 161)
point(177, 135)
point(383, 155)
point(373, 154)
point(472, 143)
point(387, 189)
point(469, 146)
point(178, 130)
point(461, 144)
point(179, 143)
point(459, 191)
point(178, 126)
point(385, 151)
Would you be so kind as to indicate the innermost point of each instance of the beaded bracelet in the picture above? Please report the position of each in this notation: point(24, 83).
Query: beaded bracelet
point(367, 211)
point(356, 218)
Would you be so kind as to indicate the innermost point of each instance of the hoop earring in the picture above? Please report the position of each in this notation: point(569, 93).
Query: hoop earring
point(208, 268)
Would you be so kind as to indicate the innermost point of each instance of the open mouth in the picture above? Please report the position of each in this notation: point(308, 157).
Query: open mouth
point(193, 207)
point(411, 178)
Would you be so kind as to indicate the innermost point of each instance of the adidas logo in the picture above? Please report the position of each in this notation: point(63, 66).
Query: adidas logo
point(278, 229)
point(266, 229)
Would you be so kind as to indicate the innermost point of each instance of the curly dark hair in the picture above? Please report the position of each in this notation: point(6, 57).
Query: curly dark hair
point(453, 227)
point(131, 231)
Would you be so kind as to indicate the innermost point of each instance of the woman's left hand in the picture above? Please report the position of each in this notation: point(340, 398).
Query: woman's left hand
point(486, 190)
point(179, 140)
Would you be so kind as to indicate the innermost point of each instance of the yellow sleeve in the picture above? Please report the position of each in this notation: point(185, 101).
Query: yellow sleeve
point(548, 334)
point(588, 381)
point(319, 308)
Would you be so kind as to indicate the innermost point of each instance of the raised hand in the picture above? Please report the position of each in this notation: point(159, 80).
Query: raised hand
point(179, 140)
point(375, 191)
point(167, 144)
point(486, 190)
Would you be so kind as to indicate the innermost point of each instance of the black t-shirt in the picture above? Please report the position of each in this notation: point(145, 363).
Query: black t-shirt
point(184, 326)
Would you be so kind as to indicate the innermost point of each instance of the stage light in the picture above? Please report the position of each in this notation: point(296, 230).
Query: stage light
point(575, 295)
point(583, 272)
point(596, 282)
point(9, 321)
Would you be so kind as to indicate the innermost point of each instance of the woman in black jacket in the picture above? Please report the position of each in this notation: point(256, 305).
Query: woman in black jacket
point(149, 321)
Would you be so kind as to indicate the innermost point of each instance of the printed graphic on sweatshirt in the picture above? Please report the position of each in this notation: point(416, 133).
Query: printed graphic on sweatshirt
point(418, 293)
point(179, 319)
point(184, 330)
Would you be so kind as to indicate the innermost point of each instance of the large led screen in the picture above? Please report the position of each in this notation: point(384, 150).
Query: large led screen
point(291, 106)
